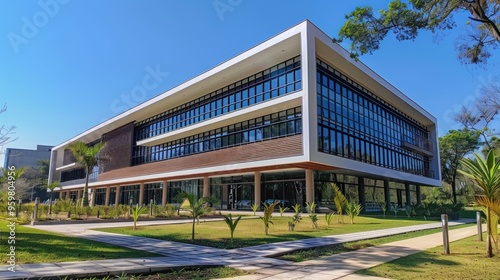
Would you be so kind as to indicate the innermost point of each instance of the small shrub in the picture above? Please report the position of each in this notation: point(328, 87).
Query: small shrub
point(328, 218)
point(255, 207)
point(136, 213)
point(268, 212)
point(314, 218)
point(282, 210)
point(383, 207)
point(231, 224)
point(297, 208)
point(353, 210)
point(340, 202)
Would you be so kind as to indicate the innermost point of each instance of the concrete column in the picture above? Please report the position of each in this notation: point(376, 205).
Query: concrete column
point(206, 186)
point(78, 194)
point(419, 197)
point(309, 186)
point(141, 194)
point(108, 193)
point(361, 192)
point(408, 194)
point(164, 193)
point(257, 197)
point(117, 198)
point(387, 195)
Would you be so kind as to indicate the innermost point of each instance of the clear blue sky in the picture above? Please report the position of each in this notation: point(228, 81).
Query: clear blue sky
point(66, 66)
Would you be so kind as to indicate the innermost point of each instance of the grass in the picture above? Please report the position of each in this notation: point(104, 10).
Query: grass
point(467, 261)
point(198, 274)
point(314, 253)
point(203, 273)
point(250, 232)
point(38, 246)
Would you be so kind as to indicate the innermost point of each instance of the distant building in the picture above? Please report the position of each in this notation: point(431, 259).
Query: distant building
point(26, 158)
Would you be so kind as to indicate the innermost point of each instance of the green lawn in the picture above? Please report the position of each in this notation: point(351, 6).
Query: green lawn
point(467, 261)
point(250, 232)
point(314, 253)
point(36, 246)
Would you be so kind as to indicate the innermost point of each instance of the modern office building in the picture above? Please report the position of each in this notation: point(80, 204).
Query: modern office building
point(281, 121)
point(25, 157)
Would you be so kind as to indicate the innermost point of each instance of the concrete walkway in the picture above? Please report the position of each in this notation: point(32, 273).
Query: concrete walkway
point(255, 259)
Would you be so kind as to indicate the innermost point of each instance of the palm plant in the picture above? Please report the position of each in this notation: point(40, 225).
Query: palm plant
point(296, 217)
point(297, 208)
point(268, 212)
point(231, 224)
point(328, 218)
point(383, 207)
point(395, 210)
point(353, 210)
point(197, 207)
point(52, 186)
point(282, 210)
point(314, 218)
point(136, 213)
point(255, 207)
point(486, 174)
point(340, 202)
point(88, 157)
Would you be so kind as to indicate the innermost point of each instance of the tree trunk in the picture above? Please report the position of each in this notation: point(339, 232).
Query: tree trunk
point(192, 231)
point(85, 199)
point(266, 228)
point(489, 248)
point(454, 189)
point(50, 203)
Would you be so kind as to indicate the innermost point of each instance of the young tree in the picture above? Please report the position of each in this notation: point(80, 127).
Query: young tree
point(486, 174)
point(268, 215)
point(454, 146)
point(52, 186)
point(340, 202)
point(366, 29)
point(232, 224)
point(196, 207)
point(89, 158)
point(136, 213)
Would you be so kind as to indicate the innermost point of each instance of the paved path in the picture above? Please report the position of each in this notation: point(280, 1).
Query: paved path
point(256, 258)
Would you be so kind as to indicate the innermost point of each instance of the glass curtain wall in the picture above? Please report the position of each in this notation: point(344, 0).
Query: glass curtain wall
point(356, 124)
point(176, 188)
point(288, 187)
point(153, 191)
point(234, 192)
point(129, 194)
point(100, 197)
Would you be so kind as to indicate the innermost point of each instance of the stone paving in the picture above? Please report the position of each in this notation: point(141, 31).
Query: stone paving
point(256, 259)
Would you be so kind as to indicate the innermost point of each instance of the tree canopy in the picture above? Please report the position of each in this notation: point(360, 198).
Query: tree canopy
point(454, 146)
point(365, 29)
point(88, 157)
point(6, 132)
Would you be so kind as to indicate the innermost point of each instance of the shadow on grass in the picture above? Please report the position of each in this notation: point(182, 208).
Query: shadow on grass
point(34, 247)
point(415, 263)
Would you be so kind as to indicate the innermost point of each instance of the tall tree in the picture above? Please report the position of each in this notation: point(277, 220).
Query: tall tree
point(486, 174)
point(88, 157)
point(494, 146)
point(6, 132)
point(480, 115)
point(454, 146)
point(366, 29)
